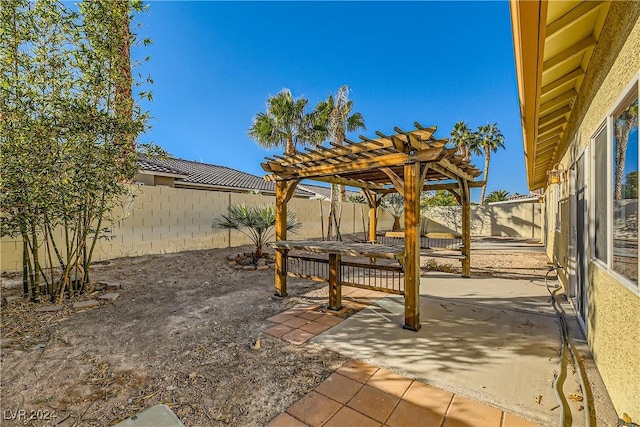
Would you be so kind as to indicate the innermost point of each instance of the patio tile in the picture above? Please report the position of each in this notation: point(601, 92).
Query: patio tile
point(389, 382)
point(511, 420)
point(301, 308)
point(348, 290)
point(314, 409)
point(431, 398)
point(357, 370)
point(373, 403)
point(285, 420)
point(464, 412)
point(348, 417)
point(354, 305)
point(315, 327)
point(339, 388)
point(280, 318)
point(295, 322)
point(310, 315)
point(407, 414)
point(358, 293)
point(297, 336)
point(328, 319)
point(278, 330)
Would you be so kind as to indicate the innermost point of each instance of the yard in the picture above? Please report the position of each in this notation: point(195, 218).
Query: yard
point(180, 333)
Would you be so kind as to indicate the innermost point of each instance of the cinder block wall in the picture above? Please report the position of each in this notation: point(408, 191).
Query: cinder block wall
point(165, 220)
point(505, 220)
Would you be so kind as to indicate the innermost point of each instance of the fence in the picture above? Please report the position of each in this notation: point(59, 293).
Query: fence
point(165, 220)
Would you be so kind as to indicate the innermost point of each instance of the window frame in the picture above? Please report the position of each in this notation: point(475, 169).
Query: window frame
point(609, 123)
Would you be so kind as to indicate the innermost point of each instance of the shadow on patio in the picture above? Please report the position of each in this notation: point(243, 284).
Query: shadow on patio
point(491, 339)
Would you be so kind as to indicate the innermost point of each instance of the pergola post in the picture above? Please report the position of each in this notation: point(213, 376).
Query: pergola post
point(465, 201)
point(284, 191)
point(373, 202)
point(335, 288)
point(412, 186)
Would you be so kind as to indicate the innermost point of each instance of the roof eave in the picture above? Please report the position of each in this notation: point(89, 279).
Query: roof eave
point(528, 19)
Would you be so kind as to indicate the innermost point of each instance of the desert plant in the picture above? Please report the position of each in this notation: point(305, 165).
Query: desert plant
point(394, 204)
point(255, 222)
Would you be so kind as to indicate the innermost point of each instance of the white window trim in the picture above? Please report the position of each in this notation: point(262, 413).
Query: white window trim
point(609, 123)
point(592, 196)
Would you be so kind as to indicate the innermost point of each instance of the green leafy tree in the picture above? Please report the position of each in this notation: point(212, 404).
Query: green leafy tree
point(286, 123)
point(496, 196)
point(257, 223)
point(463, 139)
point(487, 139)
point(630, 187)
point(67, 132)
point(437, 198)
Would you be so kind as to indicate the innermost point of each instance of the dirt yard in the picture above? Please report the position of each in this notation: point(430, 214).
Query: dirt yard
point(180, 333)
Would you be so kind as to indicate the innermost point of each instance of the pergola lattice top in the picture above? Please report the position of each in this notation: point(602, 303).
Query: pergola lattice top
point(374, 164)
point(406, 162)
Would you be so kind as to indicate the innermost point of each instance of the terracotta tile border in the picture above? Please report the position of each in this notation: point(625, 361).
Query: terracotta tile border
point(362, 394)
point(358, 393)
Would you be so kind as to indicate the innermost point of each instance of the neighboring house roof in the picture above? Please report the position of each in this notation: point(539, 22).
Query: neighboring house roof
point(323, 192)
point(519, 198)
point(196, 174)
point(155, 167)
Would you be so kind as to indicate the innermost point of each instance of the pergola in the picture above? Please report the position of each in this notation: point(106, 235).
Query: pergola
point(407, 162)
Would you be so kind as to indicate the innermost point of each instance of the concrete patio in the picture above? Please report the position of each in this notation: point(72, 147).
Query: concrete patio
point(488, 339)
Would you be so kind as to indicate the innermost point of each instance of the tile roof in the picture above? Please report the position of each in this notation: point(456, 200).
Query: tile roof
point(324, 192)
point(154, 166)
point(198, 173)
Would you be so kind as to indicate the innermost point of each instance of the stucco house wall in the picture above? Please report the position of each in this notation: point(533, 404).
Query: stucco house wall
point(613, 323)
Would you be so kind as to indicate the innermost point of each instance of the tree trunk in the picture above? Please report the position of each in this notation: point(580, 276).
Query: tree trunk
point(291, 148)
point(396, 224)
point(487, 157)
point(343, 193)
point(622, 138)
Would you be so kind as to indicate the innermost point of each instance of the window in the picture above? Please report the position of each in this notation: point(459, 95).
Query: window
point(615, 189)
point(625, 188)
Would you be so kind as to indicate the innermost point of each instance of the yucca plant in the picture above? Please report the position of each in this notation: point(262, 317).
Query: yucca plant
point(255, 222)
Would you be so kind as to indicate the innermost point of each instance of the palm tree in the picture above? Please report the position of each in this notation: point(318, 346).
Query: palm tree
point(335, 119)
point(285, 124)
point(257, 223)
point(624, 124)
point(488, 138)
point(462, 138)
point(497, 196)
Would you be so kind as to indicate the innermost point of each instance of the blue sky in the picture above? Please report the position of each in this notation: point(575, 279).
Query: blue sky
point(214, 65)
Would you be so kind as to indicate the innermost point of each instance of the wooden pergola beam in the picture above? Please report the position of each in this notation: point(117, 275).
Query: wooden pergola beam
point(362, 164)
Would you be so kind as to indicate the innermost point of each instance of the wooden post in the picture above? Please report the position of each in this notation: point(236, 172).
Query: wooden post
point(466, 227)
point(412, 186)
point(373, 223)
point(281, 234)
point(284, 192)
point(335, 288)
